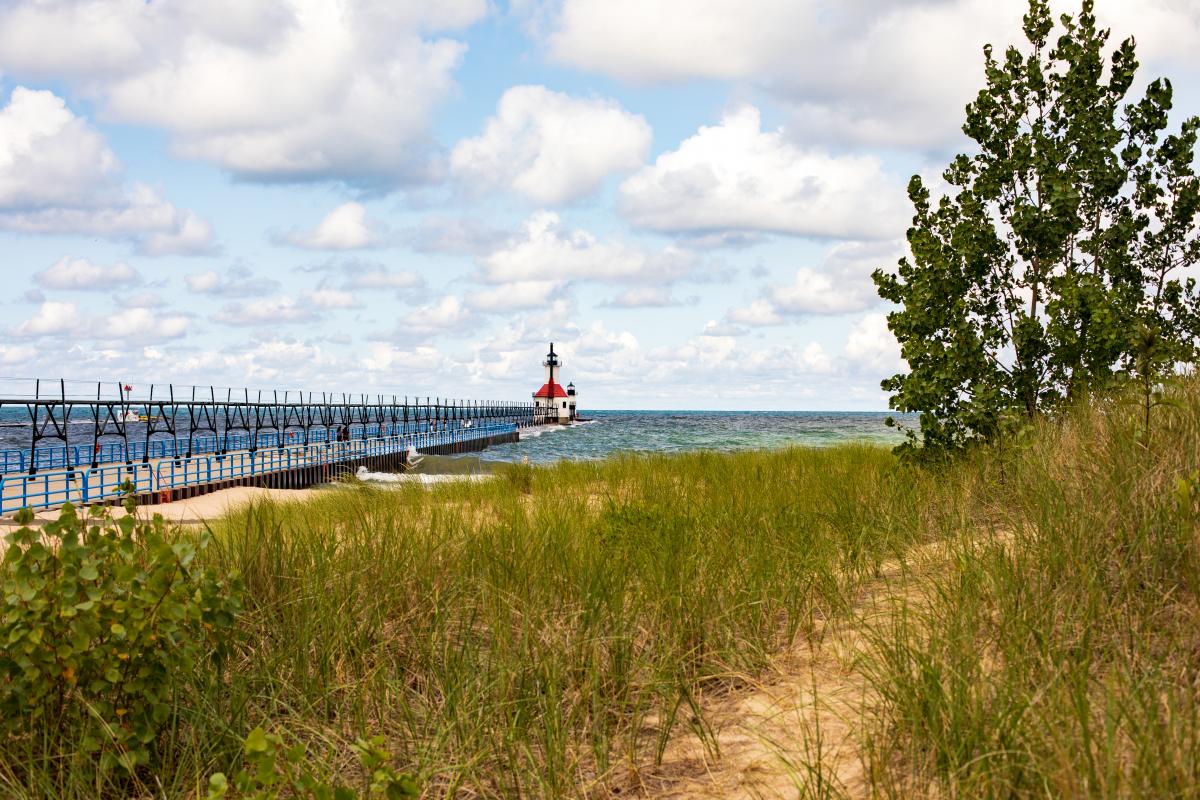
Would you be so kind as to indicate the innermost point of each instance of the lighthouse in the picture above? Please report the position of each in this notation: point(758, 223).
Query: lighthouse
point(554, 402)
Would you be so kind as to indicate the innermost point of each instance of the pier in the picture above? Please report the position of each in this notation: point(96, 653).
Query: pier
point(61, 442)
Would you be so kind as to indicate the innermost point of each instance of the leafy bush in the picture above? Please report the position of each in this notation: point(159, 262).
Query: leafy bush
point(101, 621)
point(271, 767)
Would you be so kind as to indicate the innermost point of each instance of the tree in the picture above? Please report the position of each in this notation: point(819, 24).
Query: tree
point(1052, 266)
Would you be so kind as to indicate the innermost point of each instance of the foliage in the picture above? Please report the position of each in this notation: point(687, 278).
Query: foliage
point(273, 769)
point(1052, 268)
point(101, 619)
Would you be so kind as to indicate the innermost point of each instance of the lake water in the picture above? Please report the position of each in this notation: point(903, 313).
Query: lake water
point(610, 432)
point(678, 431)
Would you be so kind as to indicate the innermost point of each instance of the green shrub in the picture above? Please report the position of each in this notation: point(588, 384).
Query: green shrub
point(271, 768)
point(102, 622)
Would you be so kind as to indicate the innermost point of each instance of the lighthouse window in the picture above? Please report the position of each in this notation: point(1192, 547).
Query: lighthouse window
point(564, 403)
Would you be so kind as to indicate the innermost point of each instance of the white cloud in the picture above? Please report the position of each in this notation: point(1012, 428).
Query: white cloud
point(347, 227)
point(48, 156)
point(131, 323)
point(51, 318)
point(736, 177)
point(155, 226)
point(545, 249)
point(203, 282)
point(140, 300)
point(453, 235)
point(895, 73)
point(384, 357)
point(330, 299)
point(278, 310)
point(815, 292)
point(871, 346)
point(142, 325)
point(382, 278)
point(447, 314)
point(714, 367)
point(190, 235)
point(57, 175)
point(714, 328)
point(758, 313)
point(81, 274)
point(236, 282)
point(16, 354)
point(851, 71)
point(514, 296)
point(550, 146)
point(276, 359)
point(647, 297)
point(841, 285)
point(675, 40)
point(723, 366)
point(293, 90)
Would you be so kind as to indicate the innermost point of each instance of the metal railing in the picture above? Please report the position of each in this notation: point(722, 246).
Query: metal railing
point(64, 424)
point(80, 486)
point(62, 457)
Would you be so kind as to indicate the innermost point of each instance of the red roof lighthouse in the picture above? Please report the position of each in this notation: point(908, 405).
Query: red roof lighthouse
point(552, 398)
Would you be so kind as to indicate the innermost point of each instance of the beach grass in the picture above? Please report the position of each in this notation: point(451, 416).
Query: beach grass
point(534, 635)
point(1058, 652)
point(547, 632)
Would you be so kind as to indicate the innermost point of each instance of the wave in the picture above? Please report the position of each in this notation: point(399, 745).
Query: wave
point(533, 433)
point(363, 474)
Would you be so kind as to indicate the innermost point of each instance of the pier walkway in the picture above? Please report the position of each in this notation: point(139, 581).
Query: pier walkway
point(164, 479)
point(88, 447)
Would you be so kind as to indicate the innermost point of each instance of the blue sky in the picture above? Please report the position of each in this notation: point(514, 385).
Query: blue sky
point(687, 197)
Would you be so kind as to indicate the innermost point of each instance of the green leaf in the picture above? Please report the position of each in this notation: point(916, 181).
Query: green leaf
point(405, 786)
point(256, 741)
point(218, 786)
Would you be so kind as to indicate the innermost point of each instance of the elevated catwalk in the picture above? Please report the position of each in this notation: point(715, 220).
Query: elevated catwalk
point(60, 442)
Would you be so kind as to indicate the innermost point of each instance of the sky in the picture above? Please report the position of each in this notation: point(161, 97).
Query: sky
point(395, 196)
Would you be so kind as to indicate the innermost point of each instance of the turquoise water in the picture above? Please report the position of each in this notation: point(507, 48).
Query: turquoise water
point(678, 431)
point(611, 432)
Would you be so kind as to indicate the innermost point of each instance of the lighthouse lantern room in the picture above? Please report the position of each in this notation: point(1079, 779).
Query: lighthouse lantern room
point(555, 403)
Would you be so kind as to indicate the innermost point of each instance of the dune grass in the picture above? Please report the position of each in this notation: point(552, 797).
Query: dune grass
point(1058, 654)
point(532, 636)
point(544, 634)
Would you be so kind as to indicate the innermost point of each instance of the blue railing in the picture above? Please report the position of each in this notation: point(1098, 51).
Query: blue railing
point(52, 488)
point(56, 457)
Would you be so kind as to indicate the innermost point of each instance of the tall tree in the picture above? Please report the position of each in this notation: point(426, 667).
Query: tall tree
point(1052, 265)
